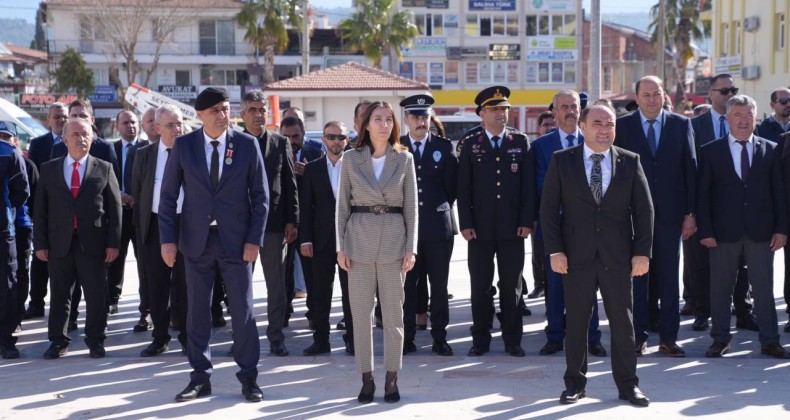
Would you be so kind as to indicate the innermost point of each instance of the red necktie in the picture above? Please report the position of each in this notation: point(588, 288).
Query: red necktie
point(75, 186)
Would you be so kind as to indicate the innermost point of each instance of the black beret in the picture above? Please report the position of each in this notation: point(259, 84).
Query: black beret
point(210, 97)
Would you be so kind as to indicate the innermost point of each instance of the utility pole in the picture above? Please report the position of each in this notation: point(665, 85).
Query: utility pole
point(595, 50)
point(305, 37)
point(662, 41)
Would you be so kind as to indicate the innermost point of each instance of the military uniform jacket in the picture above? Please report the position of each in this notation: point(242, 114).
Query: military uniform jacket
point(437, 174)
point(496, 193)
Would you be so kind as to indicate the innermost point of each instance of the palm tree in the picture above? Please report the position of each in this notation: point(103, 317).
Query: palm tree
point(377, 27)
point(683, 25)
point(266, 23)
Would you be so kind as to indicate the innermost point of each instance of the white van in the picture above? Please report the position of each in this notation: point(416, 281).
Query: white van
point(27, 127)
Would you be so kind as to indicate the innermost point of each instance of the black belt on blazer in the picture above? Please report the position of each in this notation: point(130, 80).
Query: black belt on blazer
point(377, 209)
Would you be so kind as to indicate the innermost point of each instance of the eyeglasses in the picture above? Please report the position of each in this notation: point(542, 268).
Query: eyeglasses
point(783, 101)
point(727, 91)
point(338, 137)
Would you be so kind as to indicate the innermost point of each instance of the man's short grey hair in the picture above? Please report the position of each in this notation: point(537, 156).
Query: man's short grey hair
point(56, 105)
point(80, 121)
point(167, 108)
point(337, 124)
point(566, 92)
point(254, 96)
point(741, 100)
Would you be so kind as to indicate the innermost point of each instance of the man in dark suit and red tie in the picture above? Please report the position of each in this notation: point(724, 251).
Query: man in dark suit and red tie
point(665, 144)
point(220, 232)
point(77, 230)
point(597, 220)
point(743, 215)
point(317, 234)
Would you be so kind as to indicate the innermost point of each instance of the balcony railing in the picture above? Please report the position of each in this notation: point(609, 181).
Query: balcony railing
point(206, 48)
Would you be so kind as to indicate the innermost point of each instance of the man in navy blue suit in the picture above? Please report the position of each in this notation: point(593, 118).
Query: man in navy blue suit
point(665, 144)
point(221, 229)
point(566, 109)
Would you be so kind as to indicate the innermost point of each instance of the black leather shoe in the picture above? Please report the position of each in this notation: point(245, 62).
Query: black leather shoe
point(72, 326)
point(687, 310)
point(478, 350)
point(113, 309)
point(641, 349)
point(391, 393)
point(33, 312)
point(571, 396)
point(551, 347)
point(96, 351)
point(278, 349)
point(596, 348)
point(56, 350)
point(523, 310)
point(316, 349)
point(671, 349)
point(635, 397)
point(717, 349)
point(154, 349)
point(350, 348)
point(441, 348)
point(409, 347)
point(142, 324)
point(251, 391)
point(368, 389)
point(341, 325)
point(538, 292)
point(700, 323)
point(747, 323)
point(9, 352)
point(515, 350)
point(193, 391)
point(775, 350)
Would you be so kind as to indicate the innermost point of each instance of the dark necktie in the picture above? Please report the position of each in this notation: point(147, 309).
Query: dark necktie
point(417, 153)
point(75, 185)
point(570, 139)
point(296, 154)
point(744, 160)
point(722, 127)
point(214, 172)
point(495, 139)
point(651, 137)
point(596, 177)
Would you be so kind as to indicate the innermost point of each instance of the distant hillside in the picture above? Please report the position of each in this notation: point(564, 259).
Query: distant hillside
point(17, 31)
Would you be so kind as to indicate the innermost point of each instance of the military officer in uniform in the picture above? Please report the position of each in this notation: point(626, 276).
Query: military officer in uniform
point(496, 211)
point(437, 170)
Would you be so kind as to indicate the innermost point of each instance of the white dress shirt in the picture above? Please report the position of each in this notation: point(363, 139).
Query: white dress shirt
point(220, 148)
point(606, 167)
point(161, 160)
point(334, 174)
point(735, 151)
point(491, 135)
point(564, 137)
point(68, 168)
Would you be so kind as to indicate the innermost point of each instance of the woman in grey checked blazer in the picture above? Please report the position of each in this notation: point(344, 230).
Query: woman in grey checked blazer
point(377, 239)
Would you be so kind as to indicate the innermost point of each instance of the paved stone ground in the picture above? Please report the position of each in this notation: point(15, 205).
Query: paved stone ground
point(744, 384)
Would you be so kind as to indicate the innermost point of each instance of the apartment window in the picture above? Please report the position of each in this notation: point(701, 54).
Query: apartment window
point(217, 77)
point(491, 25)
point(183, 78)
point(738, 38)
point(780, 31)
point(532, 25)
point(217, 37)
point(429, 24)
point(551, 73)
point(158, 29)
point(90, 31)
point(486, 72)
point(725, 41)
point(563, 25)
point(472, 27)
point(543, 25)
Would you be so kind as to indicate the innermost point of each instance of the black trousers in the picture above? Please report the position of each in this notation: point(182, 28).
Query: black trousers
point(64, 272)
point(39, 280)
point(163, 280)
point(116, 269)
point(433, 258)
point(510, 263)
point(538, 261)
point(320, 283)
point(615, 286)
point(24, 249)
point(9, 311)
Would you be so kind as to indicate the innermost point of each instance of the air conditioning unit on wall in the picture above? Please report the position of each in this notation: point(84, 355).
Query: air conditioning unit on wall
point(751, 23)
point(750, 72)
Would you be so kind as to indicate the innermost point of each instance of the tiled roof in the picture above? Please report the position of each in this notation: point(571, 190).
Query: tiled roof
point(222, 4)
point(27, 53)
point(349, 76)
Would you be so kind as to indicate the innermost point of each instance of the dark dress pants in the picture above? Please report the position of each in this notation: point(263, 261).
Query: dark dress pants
point(510, 263)
point(163, 279)
point(9, 310)
point(273, 255)
point(555, 308)
point(663, 274)
point(24, 249)
point(200, 273)
point(39, 280)
point(615, 286)
point(433, 258)
point(320, 288)
point(539, 269)
point(91, 270)
point(115, 270)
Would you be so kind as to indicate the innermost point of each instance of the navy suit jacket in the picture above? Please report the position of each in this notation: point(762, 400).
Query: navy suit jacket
point(129, 164)
point(672, 173)
point(40, 149)
point(543, 149)
point(101, 149)
point(730, 208)
point(703, 130)
point(239, 204)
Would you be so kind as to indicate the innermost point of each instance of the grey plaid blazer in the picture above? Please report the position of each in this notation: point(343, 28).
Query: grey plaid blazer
point(367, 237)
